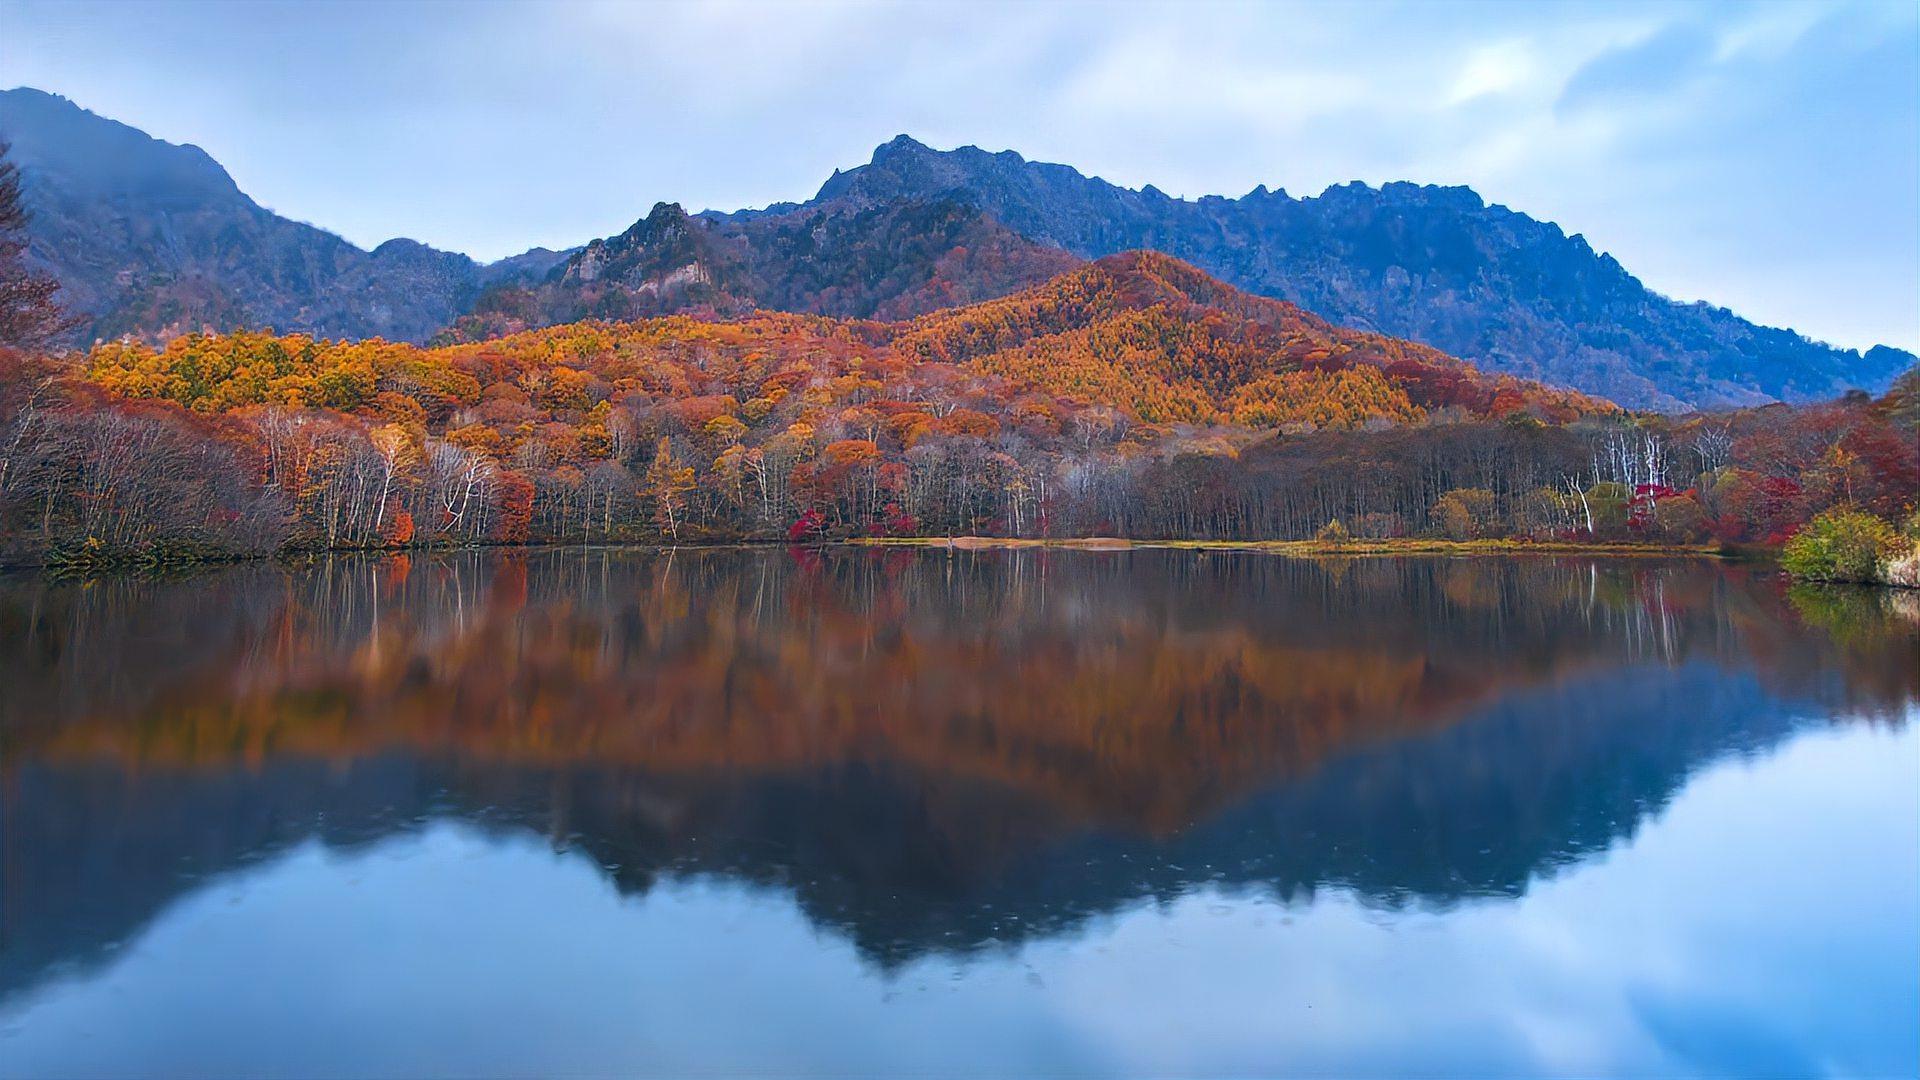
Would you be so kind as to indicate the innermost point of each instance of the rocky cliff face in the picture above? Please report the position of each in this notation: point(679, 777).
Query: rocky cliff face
point(887, 259)
point(1434, 264)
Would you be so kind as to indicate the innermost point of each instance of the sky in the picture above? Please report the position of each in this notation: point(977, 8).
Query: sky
point(1763, 156)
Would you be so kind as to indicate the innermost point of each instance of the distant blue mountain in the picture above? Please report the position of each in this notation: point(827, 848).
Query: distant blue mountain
point(148, 237)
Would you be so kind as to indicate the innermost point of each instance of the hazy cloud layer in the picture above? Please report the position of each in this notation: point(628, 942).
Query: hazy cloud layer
point(1763, 157)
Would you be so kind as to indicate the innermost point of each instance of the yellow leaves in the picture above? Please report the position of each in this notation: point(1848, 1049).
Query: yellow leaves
point(478, 438)
point(567, 388)
point(853, 387)
point(909, 426)
point(724, 430)
point(214, 373)
point(394, 442)
point(1345, 398)
point(1038, 416)
point(126, 368)
point(728, 463)
point(861, 420)
point(968, 422)
point(665, 483)
point(848, 453)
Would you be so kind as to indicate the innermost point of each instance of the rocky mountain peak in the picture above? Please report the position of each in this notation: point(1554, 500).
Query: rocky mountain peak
point(900, 146)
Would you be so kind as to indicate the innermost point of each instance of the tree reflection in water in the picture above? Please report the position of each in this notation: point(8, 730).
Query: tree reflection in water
point(931, 752)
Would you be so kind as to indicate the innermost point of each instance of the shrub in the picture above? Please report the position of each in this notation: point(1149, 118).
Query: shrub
point(1841, 545)
point(1681, 519)
point(1903, 567)
point(1904, 570)
point(1463, 513)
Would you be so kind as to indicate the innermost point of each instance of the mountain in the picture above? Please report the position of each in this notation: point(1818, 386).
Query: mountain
point(148, 237)
point(1140, 333)
point(155, 239)
point(1141, 330)
point(889, 260)
point(1434, 264)
point(918, 229)
point(1157, 337)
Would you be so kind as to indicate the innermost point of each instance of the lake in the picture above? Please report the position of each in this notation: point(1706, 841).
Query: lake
point(853, 812)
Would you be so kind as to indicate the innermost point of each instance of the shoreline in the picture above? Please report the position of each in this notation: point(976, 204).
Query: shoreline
point(178, 564)
point(1308, 548)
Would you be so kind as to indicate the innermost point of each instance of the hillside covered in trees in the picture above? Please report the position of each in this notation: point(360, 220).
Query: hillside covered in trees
point(1134, 397)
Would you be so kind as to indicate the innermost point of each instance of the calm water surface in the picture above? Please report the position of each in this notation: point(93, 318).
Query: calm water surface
point(1009, 813)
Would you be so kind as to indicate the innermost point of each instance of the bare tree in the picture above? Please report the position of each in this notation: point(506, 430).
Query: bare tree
point(30, 318)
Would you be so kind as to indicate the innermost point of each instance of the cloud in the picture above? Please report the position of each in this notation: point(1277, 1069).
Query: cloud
point(1494, 69)
point(1661, 64)
point(1761, 156)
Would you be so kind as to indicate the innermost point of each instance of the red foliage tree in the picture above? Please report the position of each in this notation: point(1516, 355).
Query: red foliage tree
point(515, 494)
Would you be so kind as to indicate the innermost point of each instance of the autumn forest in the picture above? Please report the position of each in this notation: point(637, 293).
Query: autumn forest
point(1134, 397)
point(563, 539)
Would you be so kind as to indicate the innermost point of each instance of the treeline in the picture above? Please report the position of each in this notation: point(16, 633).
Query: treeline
point(212, 446)
point(1751, 476)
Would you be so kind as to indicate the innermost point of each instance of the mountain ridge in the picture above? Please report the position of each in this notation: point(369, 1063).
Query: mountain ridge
point(155, 239)
point(1444, 267)
point(893, 260)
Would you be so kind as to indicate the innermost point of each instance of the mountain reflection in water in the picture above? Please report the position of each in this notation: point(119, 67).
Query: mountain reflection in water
point(931, 753)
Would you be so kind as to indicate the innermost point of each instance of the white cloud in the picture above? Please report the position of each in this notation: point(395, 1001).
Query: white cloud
point(1494, 69)
point(491, 128)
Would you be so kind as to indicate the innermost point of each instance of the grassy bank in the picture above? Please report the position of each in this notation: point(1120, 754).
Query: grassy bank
point(175, 559)
point(1303, 548)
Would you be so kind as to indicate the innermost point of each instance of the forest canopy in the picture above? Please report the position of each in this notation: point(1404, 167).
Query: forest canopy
point(1134, 396)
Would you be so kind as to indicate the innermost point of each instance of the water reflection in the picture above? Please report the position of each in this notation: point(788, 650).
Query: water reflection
point(932, 754)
